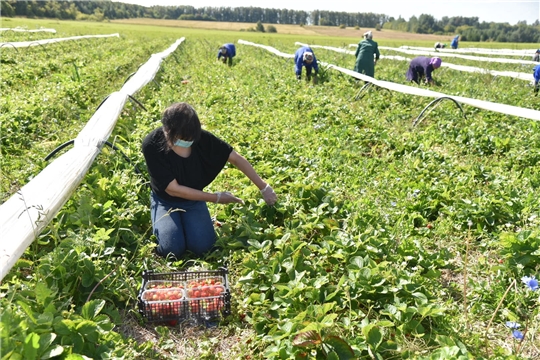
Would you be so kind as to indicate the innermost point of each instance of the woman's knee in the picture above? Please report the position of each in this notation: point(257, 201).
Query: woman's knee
point(201, 240)
point(170, 242)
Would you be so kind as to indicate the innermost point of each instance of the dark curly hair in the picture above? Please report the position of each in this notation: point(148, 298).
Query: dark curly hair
point(180, 121)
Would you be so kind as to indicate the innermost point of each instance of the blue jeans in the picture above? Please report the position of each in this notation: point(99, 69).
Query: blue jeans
point(181, 226)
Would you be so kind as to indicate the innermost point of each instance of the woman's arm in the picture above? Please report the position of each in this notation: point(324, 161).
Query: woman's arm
point(184, 192)
point(244, 166)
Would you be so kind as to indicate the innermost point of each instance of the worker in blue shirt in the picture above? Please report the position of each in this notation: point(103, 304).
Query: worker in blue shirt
point(455, 41)
point(227, 51)
point(305, 57)
point(536, 74)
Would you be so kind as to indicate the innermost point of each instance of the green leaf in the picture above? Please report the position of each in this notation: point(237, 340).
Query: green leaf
point(320, 281)
point(373, 335)
point(332, 355)
point(45, 341)
point(422, 299)
point(89, 330)
point(341, 347)
point(53, 351)
point(92, 308)
point(88, 278)
point(46, 318)
point(357, 261)
point(12, 355)
point(328, 320)
point(326, 307)
point(76, 357)
point(385, 323)
point(64, 327)
point(31, 346)
point(28, 311)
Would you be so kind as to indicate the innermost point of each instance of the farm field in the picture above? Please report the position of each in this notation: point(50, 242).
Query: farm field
point(388, 241)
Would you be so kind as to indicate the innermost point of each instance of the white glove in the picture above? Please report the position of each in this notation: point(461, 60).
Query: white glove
point(269, 195)
point(226, 197)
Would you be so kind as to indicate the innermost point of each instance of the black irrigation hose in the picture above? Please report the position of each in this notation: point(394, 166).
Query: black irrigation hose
point(125, 157)
point(35, 42)
point(102, 101)
point(1, 46)
point(137, 102)
point(70, 142)
point(435, 102)
point(129, 77)
point(131, 97)
point(48, 157)
point(366, 87)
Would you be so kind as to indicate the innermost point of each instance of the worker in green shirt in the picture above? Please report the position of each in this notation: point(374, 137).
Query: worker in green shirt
point(367, 55)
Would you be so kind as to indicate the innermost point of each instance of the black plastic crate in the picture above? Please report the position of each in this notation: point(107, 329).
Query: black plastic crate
point(205, 295)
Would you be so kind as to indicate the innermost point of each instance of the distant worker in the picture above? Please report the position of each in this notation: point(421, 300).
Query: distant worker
point(305, 57)
point(455, 41)
point(366, 50)
point(423, 66)
point(227, 51)
point(439, 45)
point(536, 74)
point(536, 56)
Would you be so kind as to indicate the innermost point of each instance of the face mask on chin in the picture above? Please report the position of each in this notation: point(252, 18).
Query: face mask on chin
point(183, 143)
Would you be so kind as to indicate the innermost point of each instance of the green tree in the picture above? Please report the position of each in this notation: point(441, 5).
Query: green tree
point(6, 9)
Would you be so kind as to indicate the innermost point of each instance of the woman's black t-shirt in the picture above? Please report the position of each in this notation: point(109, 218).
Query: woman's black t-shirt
point(208, 157)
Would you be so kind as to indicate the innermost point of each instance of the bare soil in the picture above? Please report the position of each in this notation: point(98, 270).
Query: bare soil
point(332, 31)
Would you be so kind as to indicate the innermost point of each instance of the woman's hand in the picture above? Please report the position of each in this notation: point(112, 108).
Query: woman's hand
point(226, 197)
point(269, 195)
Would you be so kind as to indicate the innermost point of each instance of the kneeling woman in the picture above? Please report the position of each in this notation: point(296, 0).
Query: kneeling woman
point(183, 159)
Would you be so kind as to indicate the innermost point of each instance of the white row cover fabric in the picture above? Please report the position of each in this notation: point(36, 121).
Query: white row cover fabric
point(24, 215)
point(482, 104)
point(512, 74)
point(482, 51)
point(269, 48)
point(432, 53)
point(18, 29)
point(51, 41)
point(486, 105)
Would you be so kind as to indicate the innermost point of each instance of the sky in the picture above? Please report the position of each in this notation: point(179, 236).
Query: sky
point(510, 11)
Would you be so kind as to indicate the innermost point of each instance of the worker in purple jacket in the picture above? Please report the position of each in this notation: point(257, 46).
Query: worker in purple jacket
point(227, 51)
point(305, 57)
point(423, 66)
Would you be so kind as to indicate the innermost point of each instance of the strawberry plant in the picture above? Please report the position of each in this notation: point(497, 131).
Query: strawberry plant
point(388, 240)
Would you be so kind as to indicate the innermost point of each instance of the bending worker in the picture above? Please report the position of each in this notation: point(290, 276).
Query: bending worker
point(536, 74)
point(227, 51)
point(455, 42)
point(439, 45)
point(366, 50)
point(423, 66)
point(305, 57)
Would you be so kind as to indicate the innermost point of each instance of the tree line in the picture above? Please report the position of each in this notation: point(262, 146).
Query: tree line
point(469, 28)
